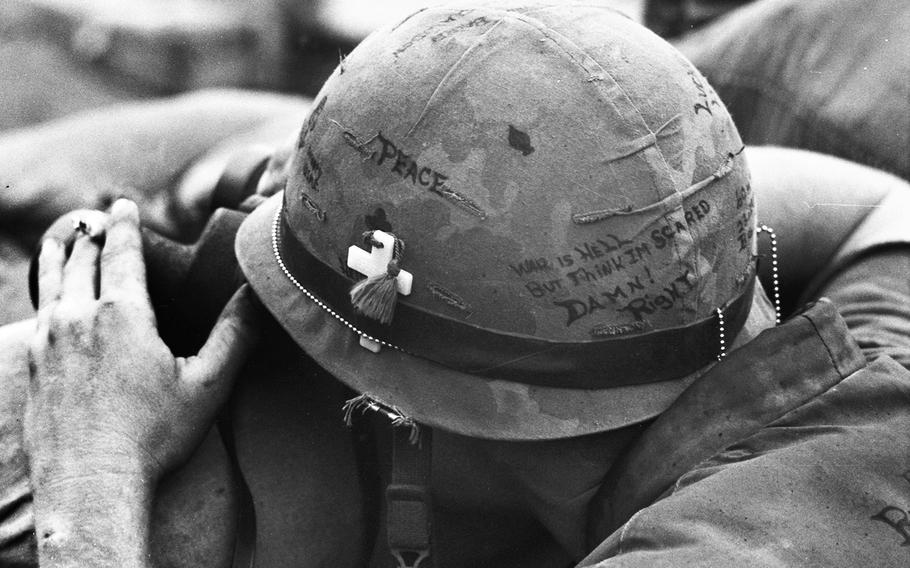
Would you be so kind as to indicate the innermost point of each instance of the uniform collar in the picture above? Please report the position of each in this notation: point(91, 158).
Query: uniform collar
point(778, 371)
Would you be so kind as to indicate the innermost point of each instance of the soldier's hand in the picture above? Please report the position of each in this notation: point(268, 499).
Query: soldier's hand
point(274, 177)
point(106, 394)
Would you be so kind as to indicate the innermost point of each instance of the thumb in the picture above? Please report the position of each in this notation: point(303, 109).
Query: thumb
point(218, 363)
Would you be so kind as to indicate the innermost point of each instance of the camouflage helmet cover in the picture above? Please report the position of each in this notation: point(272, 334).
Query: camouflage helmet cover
point(571, 194)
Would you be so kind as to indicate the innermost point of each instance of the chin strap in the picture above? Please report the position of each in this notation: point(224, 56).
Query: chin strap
point(409, 510)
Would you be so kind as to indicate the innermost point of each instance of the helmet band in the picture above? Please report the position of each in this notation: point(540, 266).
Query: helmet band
point(597, 364)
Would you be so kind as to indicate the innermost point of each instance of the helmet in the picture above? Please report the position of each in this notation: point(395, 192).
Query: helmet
point(573, 205)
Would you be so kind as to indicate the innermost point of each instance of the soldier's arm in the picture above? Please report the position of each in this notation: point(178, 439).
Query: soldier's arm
point(149, 151)
point(842, 233)
point(105, 420)
point(195, 507)
point(825, 212)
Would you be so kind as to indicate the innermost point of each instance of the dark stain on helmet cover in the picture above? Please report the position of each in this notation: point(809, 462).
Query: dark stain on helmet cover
point(519, 140)
point(378, 221)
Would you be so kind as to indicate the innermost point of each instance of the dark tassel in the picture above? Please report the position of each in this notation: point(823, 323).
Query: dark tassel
point(376, 296)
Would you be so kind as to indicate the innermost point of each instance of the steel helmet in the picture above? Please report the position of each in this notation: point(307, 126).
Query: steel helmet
point(565, 190)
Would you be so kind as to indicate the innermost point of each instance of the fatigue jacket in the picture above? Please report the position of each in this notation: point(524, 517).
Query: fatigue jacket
point(793, 451)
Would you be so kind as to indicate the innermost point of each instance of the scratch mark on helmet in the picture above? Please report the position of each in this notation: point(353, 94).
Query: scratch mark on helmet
point(607, 330)
point(447, 296)
point(351, 140)
point(672, 201)
point(459, 200)
point(313, 208)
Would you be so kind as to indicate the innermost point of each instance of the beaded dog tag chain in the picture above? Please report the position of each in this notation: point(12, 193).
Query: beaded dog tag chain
point(775, 278)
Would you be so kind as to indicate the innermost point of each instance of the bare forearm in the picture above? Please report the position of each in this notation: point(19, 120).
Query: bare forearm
point(814, 203)
point(104, 420)
point(92, 521)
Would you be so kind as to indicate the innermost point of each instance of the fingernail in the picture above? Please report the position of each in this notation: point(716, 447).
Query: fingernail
point(49, 244)
point(124, 207)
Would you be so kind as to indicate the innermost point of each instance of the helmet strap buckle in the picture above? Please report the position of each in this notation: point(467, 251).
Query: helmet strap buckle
point(414, 558)
point(409, 509)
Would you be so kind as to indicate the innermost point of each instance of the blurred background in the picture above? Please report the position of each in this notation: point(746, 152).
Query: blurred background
point(87, 107)
point(155, 99)
point(59, 56)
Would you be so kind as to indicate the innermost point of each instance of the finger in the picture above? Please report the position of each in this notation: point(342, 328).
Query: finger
point(229, 344)
point(62, 228)
point(50, 272)
point(251, 203)
point(80, 274)
point(122, 266)
point(277, 169)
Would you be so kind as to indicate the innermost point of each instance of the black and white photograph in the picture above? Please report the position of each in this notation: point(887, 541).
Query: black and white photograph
point(454, 283)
